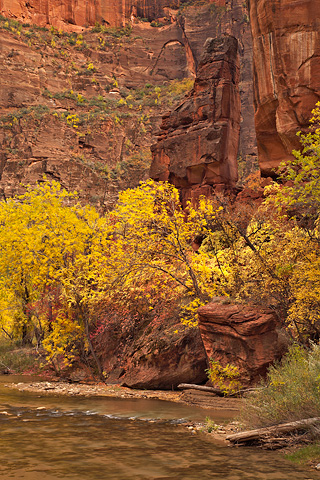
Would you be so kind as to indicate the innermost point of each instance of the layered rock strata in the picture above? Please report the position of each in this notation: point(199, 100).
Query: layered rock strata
point(286, 52)
point(245, 336)
point(62, 115)
point(226, 17)
point(199, 140)
point(70, 14)
point(49, 78)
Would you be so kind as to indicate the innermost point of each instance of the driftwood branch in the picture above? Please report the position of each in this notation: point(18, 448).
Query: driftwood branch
point(215, 391)
point(250, 435)
point(202, 388)
point(6, 369)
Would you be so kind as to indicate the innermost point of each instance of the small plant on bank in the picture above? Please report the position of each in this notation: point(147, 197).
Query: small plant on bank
point(309, 454)
point(226, 378)
point(156, 24)
point(210, 425)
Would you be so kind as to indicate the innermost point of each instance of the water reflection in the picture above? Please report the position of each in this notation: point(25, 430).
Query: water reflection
point(52, 443)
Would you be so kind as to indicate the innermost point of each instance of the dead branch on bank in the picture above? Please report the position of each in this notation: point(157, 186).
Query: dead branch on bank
point(202, 388)
point(215, 391)
point(271, 435)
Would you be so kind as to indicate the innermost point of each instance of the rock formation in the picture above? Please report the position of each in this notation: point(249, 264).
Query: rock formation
point(45, 83)
point(285, 53)
point(43, 72)
point(230, 19)
point(155, 355)
point(70, 14)
point(248, 337)
point(286, 50)
point(198, 145)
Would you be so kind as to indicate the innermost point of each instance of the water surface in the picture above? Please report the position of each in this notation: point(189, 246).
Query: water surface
point(96, 439)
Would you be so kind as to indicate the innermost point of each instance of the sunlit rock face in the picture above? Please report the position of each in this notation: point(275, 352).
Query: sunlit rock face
point(68, 14)
point(39, 75)
point(247, 337)
point(286, 50)
point(59, 13)
point(199, 140)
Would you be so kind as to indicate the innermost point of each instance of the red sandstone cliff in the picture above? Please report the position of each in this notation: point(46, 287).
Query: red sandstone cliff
point(198, 144)
point(286, 52)
point(48, 78)
point(70, 14)
point(184, 154)
point(40, 68)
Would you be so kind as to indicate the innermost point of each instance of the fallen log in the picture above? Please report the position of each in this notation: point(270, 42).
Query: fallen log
point(216, 391)
point(250, 435)
point(202, 388)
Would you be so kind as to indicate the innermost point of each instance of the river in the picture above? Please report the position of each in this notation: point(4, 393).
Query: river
point(56, 437)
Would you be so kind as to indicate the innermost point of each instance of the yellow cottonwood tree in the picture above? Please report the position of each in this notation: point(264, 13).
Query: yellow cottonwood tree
point(49, 243)
point(152, 247)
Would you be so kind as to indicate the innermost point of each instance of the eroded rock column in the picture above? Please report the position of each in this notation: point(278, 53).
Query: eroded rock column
point(198, 143)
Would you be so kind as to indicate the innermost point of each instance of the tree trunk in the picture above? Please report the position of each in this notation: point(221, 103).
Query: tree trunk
point(250, 435)
point(203, 388)
point(93, 353)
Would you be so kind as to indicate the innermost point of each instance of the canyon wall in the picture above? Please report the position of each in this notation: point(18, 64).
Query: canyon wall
point(286, 51)
point(63, 96)
point(69, 14)
point(284, 54)
point(202, 140)
point(82, 109)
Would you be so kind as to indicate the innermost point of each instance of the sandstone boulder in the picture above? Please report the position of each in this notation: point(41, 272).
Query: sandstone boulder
point(156, 355)
point(245, 336)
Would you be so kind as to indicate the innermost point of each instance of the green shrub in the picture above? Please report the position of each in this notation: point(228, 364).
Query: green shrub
point(156, 24)
point(307, 454)
point(210, 425)
point(291, 391)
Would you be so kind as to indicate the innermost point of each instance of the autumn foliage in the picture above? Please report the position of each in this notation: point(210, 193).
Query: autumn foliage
point(65, 269)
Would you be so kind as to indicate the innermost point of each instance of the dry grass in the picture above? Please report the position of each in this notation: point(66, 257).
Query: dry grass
point(17, 359)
